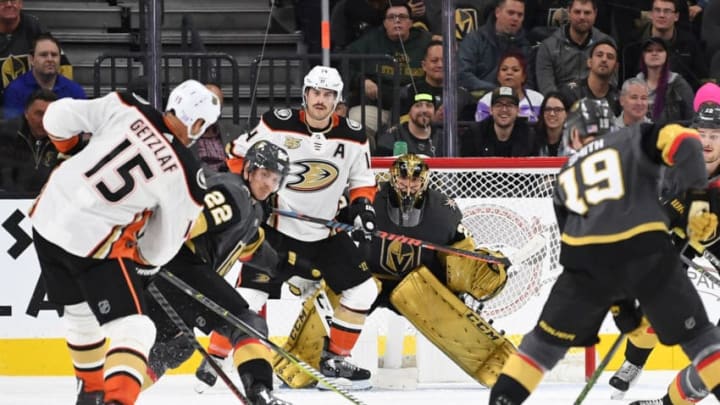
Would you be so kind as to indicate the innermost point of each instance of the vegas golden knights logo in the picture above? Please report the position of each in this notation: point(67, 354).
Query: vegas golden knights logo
point(466, 21)
point(12, 67)
point(397, 257)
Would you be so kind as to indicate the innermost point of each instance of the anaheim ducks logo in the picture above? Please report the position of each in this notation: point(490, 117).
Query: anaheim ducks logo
point(398, 258)
point(12, 67)
point(312, 175)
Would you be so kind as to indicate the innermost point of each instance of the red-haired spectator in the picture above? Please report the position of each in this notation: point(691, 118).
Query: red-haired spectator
point(513, 72)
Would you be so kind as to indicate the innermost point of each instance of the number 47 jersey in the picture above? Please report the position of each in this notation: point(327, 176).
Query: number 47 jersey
point(133, 192)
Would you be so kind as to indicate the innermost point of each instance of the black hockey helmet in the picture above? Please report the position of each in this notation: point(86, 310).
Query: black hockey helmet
point(590, 117)
point(266, 155)
point(707, 116)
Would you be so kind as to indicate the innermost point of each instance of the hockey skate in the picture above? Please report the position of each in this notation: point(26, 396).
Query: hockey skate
point(89, 398)
point(259, 394)
point(206, 374)
point(626, 376)
point(338, 370)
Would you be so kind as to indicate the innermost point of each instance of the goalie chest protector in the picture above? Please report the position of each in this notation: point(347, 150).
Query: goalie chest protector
point(438, 224)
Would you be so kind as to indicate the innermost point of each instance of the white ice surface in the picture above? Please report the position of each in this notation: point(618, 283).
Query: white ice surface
point(178, 390)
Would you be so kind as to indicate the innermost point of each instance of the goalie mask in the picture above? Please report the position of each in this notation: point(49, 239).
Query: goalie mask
point(266, 155)
point(409, 178)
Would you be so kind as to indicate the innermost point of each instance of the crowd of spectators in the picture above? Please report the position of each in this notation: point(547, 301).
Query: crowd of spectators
point(521, 64)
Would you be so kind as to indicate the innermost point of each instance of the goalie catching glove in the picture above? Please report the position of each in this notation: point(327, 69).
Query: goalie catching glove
point(363, 215)
point(482, 280)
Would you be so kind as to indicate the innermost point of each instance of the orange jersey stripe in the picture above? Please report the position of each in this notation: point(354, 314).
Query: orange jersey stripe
point(65, 145)
point(131, 287)
point(366, 192)
point(235, 164)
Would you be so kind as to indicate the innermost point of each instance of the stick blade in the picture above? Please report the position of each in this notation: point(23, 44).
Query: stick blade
point(533, 246)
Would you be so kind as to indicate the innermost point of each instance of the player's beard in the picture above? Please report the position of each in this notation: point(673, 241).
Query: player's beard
point(317, 115)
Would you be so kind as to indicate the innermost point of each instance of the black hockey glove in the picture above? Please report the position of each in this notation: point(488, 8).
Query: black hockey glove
point(363, 215)
point(266, 259)
point(627, 315)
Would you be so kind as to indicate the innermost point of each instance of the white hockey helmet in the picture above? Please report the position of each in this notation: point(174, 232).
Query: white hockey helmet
point(323, 77)
point(191, 101)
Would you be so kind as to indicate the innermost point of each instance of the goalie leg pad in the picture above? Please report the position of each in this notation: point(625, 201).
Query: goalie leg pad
point(305, 341)
point(470, 341)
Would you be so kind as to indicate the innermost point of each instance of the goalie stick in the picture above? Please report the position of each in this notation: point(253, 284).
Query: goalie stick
point(185, 330)
point(243, 326)
point(533, 246)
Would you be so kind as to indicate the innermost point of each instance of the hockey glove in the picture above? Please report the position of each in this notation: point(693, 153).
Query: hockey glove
point(266, 259)
point(363, 214)
point(701, 222)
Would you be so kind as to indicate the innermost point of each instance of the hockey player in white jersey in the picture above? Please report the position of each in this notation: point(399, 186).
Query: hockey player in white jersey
point(127, 196)
point(327, 153)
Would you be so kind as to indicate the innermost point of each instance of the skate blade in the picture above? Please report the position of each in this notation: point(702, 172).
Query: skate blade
point(617, 394)
point(200, 387)
point(346, 384)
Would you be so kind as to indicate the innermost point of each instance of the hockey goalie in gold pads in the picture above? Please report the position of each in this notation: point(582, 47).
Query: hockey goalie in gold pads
point(420, 284)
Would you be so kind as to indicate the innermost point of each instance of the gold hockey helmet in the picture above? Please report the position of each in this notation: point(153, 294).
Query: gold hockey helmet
point(409, 166)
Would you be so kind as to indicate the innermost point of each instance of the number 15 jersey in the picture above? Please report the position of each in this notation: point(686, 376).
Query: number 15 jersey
point(134, 191)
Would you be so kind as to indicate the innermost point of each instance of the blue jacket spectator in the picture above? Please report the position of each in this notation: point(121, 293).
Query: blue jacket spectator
point(45, 73)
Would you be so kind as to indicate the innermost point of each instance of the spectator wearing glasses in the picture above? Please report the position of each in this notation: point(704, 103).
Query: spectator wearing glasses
point(480, 51)
point(399, 39)
point(685, 54)
point(19, 29)
point(634, 97)
point(549, 129)
point(45, 74)
point(503, 134)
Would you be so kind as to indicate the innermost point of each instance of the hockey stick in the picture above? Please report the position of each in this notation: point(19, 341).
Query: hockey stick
point(248, 329)
point(534, 245)
point(600, 368)
point(714, 261)
point(182, 326)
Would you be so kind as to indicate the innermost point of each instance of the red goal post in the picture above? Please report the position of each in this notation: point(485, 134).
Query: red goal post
point(505, 203)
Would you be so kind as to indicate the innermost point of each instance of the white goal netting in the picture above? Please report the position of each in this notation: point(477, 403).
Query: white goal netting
point(505, 203)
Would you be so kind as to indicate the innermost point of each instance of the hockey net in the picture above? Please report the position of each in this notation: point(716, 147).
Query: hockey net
point(505, 202)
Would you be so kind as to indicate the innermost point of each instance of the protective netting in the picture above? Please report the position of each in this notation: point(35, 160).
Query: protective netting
point(504, 208)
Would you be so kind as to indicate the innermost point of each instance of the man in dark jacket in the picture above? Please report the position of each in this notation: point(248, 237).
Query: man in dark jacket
point(503, 134)
point(480, 51)
point(26, 154)
point(562, 57)
point(418, 134)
